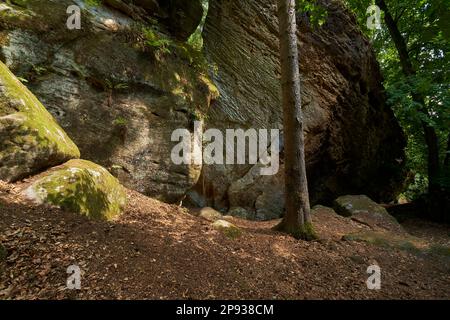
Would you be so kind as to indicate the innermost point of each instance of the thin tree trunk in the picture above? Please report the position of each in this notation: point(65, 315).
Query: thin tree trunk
point(297, 219)
point(447, 156)
point(431, 138)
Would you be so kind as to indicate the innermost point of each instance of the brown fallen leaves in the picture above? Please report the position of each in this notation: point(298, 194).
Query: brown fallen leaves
point(159, 251)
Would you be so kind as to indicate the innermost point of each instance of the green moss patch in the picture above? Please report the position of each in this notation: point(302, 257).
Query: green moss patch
point(227, 228)
point(362, 209)
point(30, 139)
point(82, 187)
point(210, 214)
point(411, 244)
point(305, 232)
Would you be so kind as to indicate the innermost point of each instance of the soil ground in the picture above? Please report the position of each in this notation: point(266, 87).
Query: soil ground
point(160, 251)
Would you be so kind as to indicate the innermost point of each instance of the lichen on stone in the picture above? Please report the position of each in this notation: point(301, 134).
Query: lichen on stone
point(80, 186)
point(30, 137)
point(227, 228)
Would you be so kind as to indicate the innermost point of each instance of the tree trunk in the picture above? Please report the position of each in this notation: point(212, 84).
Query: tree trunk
point(447, 156)
point(297, 218)
point(431, 138)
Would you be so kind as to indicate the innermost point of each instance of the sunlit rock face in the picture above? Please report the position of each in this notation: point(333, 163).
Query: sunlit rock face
point(81, 187)
point(117, 97)
point(30, 138)
point(119, 94)
point(353, 142)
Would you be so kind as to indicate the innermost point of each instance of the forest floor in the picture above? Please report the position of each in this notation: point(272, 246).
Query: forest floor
point(160, 251)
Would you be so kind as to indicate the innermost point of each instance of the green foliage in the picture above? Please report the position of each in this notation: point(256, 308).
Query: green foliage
point(196, 39)
point(145, 36)
point(305, 232)
point(93, 3)
point(417, 187)
point(156, 40)
point(120, 121)
point(425, 28)
point(316, 13)
point(113, 85)
point(23, 80)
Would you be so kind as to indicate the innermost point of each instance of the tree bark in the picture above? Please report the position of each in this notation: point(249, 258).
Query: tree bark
point(447, 156)
point(297, 218)
point(430, 135)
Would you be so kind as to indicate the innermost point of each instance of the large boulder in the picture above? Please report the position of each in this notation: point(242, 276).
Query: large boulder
point(183, 17)
point(227, 228)
point(210, 214)
point(353, 141)
point(30, 138)
point(119, 88)
point(364, 210)
point(82, 187)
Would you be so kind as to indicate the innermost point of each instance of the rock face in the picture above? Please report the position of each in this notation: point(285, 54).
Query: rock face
point(122, 84)
point(82, 187)
point(118, 88)
point(362, 209)
point(183, 17)
point(180, 17)
point(353, 141)
point(30, 139)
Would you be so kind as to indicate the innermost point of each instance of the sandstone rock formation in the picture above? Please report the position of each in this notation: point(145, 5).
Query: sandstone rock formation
point(210, 214)
point(123, 83)
point(117, 96)
point(229, 229)
point(353, 141)
point(180, 17)
point(80, 186)
point(363, 210)
point(30, 139)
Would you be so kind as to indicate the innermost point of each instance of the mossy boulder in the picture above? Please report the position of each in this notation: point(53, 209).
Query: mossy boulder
point(239, 212)
point(364, 210)
point(319, 209)
point(30, 139)
point(210, 214)
point(227, 228)
point(82, 187)
point(119, 90)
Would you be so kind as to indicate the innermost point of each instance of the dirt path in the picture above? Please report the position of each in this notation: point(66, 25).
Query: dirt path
point(159, 251)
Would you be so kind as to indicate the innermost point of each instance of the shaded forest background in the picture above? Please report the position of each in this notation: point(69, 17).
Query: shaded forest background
point(412, 46)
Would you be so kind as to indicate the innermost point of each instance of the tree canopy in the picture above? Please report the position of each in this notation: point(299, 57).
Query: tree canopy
point(423, 25)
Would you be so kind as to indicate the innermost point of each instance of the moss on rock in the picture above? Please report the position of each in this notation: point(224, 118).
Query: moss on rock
point(227, 228)
point(349, 205)
point(82, 187)
point(305, 232)
point(362, 209)
point(30, 139)
point(210, 214)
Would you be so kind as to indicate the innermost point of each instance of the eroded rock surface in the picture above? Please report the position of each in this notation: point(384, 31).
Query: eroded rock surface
point(364, 210)
point(122, 84)
point(30, 138)
point(115, 88)
point(82, 187)
point(353, 142)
